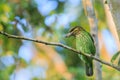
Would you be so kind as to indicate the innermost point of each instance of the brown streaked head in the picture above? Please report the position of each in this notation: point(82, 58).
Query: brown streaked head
point(74, 31)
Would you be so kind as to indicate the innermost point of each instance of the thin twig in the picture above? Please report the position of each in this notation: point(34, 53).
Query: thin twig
point(61, 45)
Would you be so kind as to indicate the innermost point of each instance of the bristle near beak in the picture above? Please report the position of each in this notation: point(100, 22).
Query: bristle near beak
point(68, 35)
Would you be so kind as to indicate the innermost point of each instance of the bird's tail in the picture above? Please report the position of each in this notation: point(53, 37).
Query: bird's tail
point(89, 69)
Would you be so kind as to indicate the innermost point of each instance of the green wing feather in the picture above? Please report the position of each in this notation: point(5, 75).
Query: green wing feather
point(85, 44)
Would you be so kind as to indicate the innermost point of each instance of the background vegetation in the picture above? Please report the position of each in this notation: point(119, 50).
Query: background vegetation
point(50, 20)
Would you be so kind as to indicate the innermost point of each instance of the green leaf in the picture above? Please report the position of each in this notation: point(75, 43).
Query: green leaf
point(115, 56)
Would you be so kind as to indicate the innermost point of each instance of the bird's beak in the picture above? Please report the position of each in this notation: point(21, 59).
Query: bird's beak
point(68, 35)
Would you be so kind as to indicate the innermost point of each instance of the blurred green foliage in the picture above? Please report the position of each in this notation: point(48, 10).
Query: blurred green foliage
point(13, 11)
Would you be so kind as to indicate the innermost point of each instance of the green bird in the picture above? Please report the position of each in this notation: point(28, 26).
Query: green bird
point(84, 44)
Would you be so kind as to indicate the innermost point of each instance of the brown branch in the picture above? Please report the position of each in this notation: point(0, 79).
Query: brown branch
point(61, 45)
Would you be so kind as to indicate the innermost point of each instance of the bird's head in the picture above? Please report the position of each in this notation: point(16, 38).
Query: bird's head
point(74, 31)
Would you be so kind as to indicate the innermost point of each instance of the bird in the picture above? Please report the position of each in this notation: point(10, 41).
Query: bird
point(84, 44)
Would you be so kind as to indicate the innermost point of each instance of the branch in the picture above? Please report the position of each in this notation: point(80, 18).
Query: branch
point(113, 5)
point(61, 45)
